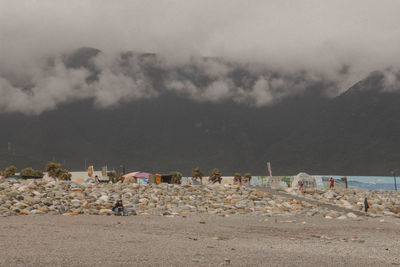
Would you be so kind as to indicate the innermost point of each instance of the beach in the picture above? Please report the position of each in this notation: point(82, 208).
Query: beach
point(198, 240)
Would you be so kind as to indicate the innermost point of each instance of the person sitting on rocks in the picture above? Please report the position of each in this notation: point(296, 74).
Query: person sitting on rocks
point(119, 209)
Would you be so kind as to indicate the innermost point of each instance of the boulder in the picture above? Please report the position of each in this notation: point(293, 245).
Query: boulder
point(308, 181)
point(106, 212)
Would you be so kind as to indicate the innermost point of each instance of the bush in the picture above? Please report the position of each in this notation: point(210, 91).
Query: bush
point(114, 177)
point(56, 171)
point(216, 176)
point(10, 171)
point(29, 172)
point(176, 177)
point(197, 174)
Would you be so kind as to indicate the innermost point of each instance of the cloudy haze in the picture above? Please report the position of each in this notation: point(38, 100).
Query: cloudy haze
point(337, 42)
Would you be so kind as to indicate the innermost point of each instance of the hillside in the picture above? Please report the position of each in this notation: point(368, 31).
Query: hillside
point(355, 133)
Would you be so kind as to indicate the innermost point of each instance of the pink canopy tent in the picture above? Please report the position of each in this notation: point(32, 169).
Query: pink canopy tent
point(138, 175)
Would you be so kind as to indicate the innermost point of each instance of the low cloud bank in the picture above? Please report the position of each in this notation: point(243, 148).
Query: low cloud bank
point(111, 80)
point(258, 52)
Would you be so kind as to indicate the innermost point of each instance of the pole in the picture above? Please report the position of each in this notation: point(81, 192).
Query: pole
point(394, 178)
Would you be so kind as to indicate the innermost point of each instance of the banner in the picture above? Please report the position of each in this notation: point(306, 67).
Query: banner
point(104, 171)
point(90, 171)
point(269, 169)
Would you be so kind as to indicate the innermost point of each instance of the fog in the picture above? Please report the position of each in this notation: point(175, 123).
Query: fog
point(336, 43)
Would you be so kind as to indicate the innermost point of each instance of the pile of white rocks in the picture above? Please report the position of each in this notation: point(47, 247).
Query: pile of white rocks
point(27, 197)
point(382, 203)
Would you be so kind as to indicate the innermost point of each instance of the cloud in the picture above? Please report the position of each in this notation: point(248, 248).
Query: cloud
point(338, 42)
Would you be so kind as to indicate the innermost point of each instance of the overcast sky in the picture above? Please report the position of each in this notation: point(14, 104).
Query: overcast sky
point(312, 35)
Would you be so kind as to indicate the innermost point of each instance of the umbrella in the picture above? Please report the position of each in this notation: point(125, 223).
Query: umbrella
point(132, 174)
point(138, 175)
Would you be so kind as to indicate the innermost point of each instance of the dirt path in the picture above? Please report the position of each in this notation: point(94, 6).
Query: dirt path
point(313, 201)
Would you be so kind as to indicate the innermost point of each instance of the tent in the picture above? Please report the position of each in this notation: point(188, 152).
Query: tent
point(139, 177)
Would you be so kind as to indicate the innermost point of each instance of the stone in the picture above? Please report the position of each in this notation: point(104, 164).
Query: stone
point(308, 181)
point(37, 212)
point(351, 215)
point(62, 197)
point(106, 212)
point(332, 214)
point(103, 198)
point(24, 212)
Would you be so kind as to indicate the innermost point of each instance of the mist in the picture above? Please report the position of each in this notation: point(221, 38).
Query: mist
point(282, 46)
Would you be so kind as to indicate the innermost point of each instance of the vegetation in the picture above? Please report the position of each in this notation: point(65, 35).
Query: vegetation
point(31, 173)
point(247, 175)
point(287, 180)
point(176, 177)
point(114, 177)
point(237, 178)
point(56, 171)
point(9, 171)
point(216, 176)
point(197, 174)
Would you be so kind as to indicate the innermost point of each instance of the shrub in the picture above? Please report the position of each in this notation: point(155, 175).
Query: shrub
point(176, 177)
point(29, 172)
point(196, 173)
point(56, 171)
point(10, 171)
point(114, 177)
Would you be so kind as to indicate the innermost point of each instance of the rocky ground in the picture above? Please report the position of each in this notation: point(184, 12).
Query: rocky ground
point(31, 197)
point(198, 240)
point(205, 225)
point(382, 203)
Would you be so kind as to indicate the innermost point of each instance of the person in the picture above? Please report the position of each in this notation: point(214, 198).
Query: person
point(301, 184)
point(332, 185)
point(366, 206)
point(96, 179)
point(119, 209)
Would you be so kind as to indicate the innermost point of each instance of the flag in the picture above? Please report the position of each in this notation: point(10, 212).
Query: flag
point(269, 168)
point(90, 171)
point(104, 171)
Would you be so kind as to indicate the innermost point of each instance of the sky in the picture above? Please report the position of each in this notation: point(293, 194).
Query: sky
point(334, 40)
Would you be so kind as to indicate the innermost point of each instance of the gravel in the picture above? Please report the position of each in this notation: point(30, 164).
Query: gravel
point(198, 240)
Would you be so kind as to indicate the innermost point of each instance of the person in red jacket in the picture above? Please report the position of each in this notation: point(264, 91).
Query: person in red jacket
point(332, 185)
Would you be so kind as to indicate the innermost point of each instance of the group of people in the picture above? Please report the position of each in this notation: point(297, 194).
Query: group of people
point(331, 184)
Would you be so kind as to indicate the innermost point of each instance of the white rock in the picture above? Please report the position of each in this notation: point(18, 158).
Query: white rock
point(351, 215)
point(104, 198)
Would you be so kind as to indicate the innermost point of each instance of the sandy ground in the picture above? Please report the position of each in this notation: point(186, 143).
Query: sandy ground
point(197, 241)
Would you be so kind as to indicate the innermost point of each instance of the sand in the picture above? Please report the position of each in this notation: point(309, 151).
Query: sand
point(207, 240)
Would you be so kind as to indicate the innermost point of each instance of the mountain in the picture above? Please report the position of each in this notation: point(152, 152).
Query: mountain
point(355, 133)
